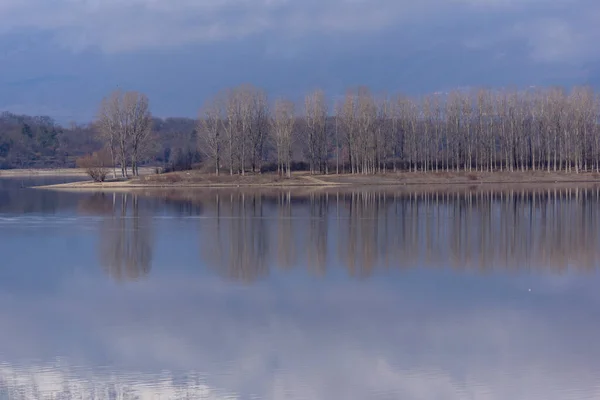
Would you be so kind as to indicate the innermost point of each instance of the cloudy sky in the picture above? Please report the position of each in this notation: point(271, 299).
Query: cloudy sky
point(59, 57)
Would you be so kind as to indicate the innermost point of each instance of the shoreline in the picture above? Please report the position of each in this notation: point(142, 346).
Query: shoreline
point(56, 172)
point(31, 172)
point(196, 180)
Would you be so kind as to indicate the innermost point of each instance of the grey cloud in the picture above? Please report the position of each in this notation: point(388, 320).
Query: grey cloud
point(286, 46)
point(120, 26)
point(570, 40)
point(557, 32)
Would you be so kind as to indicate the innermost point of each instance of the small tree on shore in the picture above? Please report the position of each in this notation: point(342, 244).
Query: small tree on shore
point(96, 165)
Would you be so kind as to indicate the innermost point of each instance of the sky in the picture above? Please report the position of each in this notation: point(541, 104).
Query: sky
point(60, 57)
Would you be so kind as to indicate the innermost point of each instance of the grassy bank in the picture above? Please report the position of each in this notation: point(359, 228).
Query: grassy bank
point(196, 179)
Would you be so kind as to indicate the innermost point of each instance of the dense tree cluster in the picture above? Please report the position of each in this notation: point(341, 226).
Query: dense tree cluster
point(30, 142)
point(40, 142)
point(475, 130)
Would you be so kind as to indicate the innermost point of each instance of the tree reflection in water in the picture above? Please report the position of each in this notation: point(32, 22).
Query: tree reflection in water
point(126, 237)
point(244, 234)
point(368, 230)
point(239, 237)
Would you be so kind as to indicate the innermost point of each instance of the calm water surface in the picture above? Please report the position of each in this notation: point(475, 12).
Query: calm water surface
point(461, 294)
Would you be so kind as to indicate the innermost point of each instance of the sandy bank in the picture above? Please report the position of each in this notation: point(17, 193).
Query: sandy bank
point(194, 179)
point(136, 184)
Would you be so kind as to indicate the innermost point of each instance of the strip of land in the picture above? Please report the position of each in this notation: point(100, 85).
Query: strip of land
point(67, 172)
point(42, 172)
point(197, 179)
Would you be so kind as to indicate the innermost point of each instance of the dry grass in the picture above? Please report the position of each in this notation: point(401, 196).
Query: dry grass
point(211, 179)
point(452, 177)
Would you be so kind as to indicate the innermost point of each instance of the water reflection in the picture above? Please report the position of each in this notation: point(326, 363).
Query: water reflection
point(125, 234)
point(423, 326)
point(243, 235)
point(551, 229)
point(126, 241)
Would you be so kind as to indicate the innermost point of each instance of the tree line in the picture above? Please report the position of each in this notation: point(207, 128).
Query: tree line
point(241, 130)
point(468, 130)
point(27, 142)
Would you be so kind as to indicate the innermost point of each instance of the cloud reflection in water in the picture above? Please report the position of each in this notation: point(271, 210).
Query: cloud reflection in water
point(411, 330)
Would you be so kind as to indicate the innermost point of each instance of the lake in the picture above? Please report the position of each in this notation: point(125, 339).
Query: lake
point(457, 293)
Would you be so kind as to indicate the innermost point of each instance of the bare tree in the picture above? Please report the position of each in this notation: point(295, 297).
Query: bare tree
point(409, 118)
point(316, 131)
point(338, 113)
point(109, 125)
point(245, 95)
point(259, 130)
point(366, 120)
point(138, 126)
point(247, 127)
point(282, 131)
point(210, 127)
point(385, 132)
point(126, 125)
point(349, 124)
point(233, 131)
